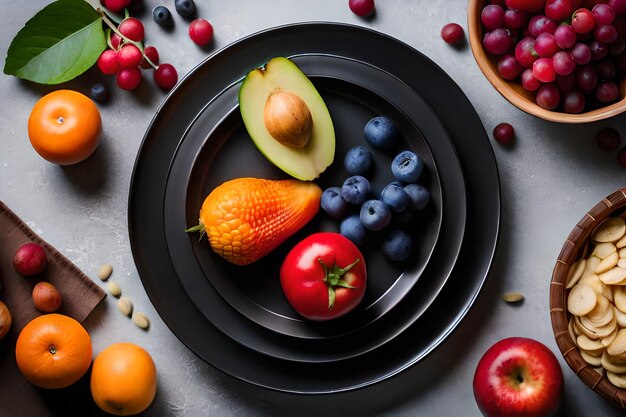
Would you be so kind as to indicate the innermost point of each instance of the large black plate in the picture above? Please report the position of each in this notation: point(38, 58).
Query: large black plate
point(206, 157)
point(477, 161)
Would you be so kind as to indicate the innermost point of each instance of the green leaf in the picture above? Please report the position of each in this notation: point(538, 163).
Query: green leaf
point(58, 44)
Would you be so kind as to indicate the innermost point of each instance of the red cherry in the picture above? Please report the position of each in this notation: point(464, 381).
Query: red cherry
point(201, 31)
point(129, 78)
point(129, 56)
point(452, 33)
point(132, 28)
point(116, 41)
point(107, 62)
point(166, 76)
point(152, 54)
point(116, 5)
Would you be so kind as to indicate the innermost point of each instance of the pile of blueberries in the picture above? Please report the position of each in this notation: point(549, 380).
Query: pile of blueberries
point(399, 196)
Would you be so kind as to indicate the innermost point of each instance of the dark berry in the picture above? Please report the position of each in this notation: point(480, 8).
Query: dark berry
point(166, 76)
point(99, 92)
point(162, 16)
point(504, 133)
point(185, 8)
point(201, 32)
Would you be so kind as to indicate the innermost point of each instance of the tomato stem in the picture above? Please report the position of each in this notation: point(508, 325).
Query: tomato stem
point(333, 279)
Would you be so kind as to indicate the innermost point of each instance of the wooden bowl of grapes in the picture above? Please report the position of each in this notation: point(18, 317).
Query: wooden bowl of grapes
point(562, 72)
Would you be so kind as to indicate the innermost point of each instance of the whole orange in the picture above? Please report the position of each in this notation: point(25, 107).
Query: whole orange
point(53, 351)
point(64, 127)
point(123, 379)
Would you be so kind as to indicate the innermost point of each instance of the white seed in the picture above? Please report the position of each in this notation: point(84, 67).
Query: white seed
point(114, 289)
point(575, 273)
point(602, 250)
point(141, 320)
point(105, 272)
point(610, 230)
point(125, 306)
point(581, 300)
point(513, 297)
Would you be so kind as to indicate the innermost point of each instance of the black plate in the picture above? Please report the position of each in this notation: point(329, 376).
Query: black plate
point(146, 223)
point(217, 139)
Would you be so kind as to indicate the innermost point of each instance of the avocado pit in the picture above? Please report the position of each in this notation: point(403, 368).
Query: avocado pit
point(288, 119)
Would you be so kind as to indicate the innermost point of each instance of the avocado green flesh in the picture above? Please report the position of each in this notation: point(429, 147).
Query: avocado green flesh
point(305, 163)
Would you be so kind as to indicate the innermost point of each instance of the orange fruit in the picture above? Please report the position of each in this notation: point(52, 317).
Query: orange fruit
point(53, 351)
point(64, 127)
point(123, 379)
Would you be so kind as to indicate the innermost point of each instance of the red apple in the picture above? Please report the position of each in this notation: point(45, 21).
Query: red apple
point(526, 5)
point(518, 377)
point(30, 259)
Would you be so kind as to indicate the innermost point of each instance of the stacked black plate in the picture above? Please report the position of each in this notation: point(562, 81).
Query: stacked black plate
point(236, 318)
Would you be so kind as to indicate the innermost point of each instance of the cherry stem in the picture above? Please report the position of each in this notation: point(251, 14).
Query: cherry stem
point(110, 24)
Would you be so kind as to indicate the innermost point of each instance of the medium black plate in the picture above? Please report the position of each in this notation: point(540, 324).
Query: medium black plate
point(204, 160)
point(146, 223)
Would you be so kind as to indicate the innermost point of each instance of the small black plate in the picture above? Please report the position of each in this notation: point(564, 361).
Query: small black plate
point(147, 223)
point(217, 148)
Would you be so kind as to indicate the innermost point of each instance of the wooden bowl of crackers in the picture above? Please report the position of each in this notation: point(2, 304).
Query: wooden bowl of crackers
point(588, 298)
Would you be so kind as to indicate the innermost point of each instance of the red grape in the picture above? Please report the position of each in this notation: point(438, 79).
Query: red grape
point(606, 69)
point(548, 97)
point(492, 16)
point(581, 53)
point(619, 6)
point(541, 24)
point(543, 70)
point(608, 139)
point(563, 63)
point(515, 19)
point(529, 82)
point(598, 50)
point(508, 67)
point(525, 52)
point(545, 45)
point(362, 8)
point(565, 36)
point(603, 14)
point(504, 133)
point(559, 9)
point(586, 79)
point(565, 83)
point(607, 92)
point(583, 21)
point(617, 47)
point(573, 102)
point(498, 41)
point(452, 33)
point(605, 33)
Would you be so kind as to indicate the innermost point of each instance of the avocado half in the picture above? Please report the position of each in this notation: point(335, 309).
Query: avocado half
point(281, 74)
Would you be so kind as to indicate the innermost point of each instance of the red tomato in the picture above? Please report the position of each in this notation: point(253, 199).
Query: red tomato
point(324, 276)
point(526, 5)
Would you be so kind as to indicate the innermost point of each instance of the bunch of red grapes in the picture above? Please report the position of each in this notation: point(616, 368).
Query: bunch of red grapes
point(570, 52)
point(126, 57)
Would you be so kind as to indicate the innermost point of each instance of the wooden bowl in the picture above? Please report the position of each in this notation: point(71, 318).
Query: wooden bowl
point(513, 91)
point(573, 249)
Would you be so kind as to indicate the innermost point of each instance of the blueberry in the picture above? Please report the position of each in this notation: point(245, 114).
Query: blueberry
point(419, 196)
point(185, 8)
point(352, 228)
point(99, 92)
point(397, 245)
point(162, 16)
point(358, 160)
point(375, 215)
point(407, 167)
point(355, 189)
point(332, 202)
point(395, 197)
point(381, 132)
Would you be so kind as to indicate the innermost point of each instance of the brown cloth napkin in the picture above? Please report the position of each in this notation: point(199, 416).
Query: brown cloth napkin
point(80, 296)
